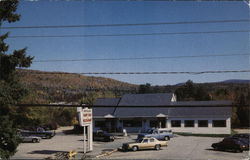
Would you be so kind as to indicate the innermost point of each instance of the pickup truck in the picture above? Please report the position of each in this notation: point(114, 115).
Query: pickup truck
point(159, 133)
point(144, 143)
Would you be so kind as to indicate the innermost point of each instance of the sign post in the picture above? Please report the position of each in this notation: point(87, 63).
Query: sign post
point(85, 120)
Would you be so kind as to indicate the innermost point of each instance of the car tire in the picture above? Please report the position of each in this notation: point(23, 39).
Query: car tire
point(135, 148)
point(47, 136)
point(34, 140)
point(157, 147)
point(167, 138)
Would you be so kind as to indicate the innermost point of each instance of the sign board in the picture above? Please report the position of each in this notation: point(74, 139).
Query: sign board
point(86, 117)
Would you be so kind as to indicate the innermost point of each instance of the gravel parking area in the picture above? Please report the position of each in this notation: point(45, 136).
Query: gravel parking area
point(180, 147)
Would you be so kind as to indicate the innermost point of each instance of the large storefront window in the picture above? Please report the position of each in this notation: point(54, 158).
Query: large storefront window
point(176, 123)
point(132, 123)
point(202, 123)
point(189, 123)
point(219, 123)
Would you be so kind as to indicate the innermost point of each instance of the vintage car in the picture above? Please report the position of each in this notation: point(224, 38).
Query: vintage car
point(102, 136)
point(158, 133)
point(144, 143)
point(230, 144)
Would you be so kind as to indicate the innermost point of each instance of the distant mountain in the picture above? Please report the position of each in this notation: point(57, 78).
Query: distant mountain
point(235, 81)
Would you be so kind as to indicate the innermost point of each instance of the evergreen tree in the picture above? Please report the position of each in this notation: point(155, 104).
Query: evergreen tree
point(189, 91)
point(145, 88)
point(11, 92)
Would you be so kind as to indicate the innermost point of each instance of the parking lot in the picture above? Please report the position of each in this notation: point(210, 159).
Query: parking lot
point(179, 147)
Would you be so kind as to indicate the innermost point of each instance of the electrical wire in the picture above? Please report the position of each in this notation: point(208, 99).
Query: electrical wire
point(128, 34)
point(140, 58)
point(126, 24)
point(144, 73)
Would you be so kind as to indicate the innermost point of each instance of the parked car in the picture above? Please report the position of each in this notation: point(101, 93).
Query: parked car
point(230, 144)
point(244, 137)
point(144, 143)
point(26, 138)
point(159, 133)
point(42, 134)
point(103, 136)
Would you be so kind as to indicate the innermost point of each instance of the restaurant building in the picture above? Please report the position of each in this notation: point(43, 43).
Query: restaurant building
point(138, 112)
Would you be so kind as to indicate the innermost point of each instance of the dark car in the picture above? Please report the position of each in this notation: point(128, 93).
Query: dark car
point(42, 134)
point(230, 144)
point(102, 136)
point(244, 137)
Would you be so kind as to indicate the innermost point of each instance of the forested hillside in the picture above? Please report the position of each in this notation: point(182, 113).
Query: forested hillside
point(53, 87)
point(47, 87)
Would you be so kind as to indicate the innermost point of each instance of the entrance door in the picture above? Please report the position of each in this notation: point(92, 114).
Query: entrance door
point(161, 122)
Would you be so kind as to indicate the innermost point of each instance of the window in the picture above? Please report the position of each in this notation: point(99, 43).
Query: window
point(189, 123)
point(132, 123)
point(219, 123)
point(153, 124)
point(176, 123)
point(202, 123)
point(166, 131)
point(145, 141)
point(99, 123)
point(152, 140)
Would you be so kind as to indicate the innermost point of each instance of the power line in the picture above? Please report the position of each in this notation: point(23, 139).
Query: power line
point(132, 0)
point(175, 105)
point(127, 24)
point(128, 34)
point(139, 58)
point(143, 73)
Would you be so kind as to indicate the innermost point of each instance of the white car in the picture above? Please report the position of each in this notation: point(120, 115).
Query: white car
point(32, 139)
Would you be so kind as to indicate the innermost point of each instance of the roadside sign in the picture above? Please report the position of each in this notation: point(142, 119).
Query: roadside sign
point(87, 117)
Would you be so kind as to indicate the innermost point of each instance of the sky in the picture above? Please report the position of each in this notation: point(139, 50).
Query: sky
point(39, 13)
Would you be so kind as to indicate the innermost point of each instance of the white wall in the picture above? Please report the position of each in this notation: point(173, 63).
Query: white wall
point(201, 130)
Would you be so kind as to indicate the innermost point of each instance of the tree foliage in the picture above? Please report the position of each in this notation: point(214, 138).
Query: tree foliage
point(190, 91)
point(11, 92)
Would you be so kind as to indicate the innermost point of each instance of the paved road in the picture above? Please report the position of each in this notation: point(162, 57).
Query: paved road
point(184, 148)
point(48, 147)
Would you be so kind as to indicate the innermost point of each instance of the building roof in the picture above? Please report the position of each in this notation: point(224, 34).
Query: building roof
point(106, 101)
point(199, 111)
point(157, 99)
point(156, 105)
point(105, 111)
point(124, 112)
point(201, 103)
point(101, 112)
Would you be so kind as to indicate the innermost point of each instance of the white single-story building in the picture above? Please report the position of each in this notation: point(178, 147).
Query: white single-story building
point(135, 112)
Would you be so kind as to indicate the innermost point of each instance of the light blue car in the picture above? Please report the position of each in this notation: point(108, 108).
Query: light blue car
point(158, 133)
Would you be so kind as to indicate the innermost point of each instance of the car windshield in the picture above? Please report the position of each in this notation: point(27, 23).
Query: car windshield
point(150, 131)
point(139, 140)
